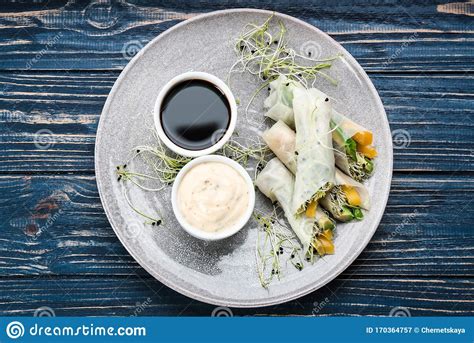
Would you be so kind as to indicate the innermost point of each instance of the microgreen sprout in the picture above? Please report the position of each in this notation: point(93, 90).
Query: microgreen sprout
point(126, 175)
point(361, 167)
point(258, 151)
point(149, 219)
point(267, 56)
point(163, 166)
point(275, 244)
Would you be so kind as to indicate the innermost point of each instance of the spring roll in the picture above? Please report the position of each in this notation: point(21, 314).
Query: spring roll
point(315, 168)
point(344, 201)
point(277, 184)
point(279, 103)
point(353, 147)
point(354, 152)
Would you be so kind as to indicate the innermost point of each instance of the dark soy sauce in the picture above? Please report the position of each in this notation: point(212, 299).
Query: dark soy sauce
point(195, 114)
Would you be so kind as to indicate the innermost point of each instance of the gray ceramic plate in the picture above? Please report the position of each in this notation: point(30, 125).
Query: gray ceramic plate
point(224, 272)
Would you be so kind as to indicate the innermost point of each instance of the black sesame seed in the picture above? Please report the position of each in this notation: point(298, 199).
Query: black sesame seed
point(287, 84)
point(292, 255)
point(327, 99)
point(118, 167)
point(125, 166)
point(296, 153)
point(273, 271)
point(138, 151)
point(119, 178)
point(158, 222)
point(153, 224)
point(275, 42)
point(253, 51)
point(309, 53)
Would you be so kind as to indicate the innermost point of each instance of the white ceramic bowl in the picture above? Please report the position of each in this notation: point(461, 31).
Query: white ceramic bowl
point(195, 76)
point(213, 236)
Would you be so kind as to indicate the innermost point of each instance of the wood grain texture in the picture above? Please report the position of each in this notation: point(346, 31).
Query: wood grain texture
point(432, 117)
point(126, 296)
point(59, 61)
point(55, 225)
point(381, 35)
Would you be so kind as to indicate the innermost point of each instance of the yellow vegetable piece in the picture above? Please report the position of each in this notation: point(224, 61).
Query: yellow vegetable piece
point(364, 137)
point(327, 245)
point(319, 247)
point(353, 197)
point(311, 209)
point(367, 150)
point(328, 234)
point(323, 243)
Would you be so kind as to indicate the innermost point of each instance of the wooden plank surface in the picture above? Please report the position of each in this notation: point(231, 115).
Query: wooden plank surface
point(59, 61)
point(55, 225)
point(433, 116)
point(355, 296)
point(382, 35)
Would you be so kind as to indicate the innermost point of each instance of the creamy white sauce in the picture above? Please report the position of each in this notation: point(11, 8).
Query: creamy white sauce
point(212, 196)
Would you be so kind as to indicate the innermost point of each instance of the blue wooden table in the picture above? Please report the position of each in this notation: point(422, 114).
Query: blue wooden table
point(59, 61)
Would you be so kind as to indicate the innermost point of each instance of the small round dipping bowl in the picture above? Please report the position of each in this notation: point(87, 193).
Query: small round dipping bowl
point(224, 233)
point(221, 139)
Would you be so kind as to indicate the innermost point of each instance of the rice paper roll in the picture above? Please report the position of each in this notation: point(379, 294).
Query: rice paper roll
point(281, 140)
point(279, 103)
point(277, 183)
point(353, 147)
point(352, 142)
point(315, 168)
point(346, 199)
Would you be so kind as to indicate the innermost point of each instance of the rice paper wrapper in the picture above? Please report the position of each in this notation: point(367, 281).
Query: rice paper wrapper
point(315, 165)
point(348, 127)
point(281, 139)
point(277, 183)
point(280, 106)
point(279, 103)
point(342, 160)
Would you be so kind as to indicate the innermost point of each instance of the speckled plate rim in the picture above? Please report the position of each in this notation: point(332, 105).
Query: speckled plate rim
point(300, 292)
